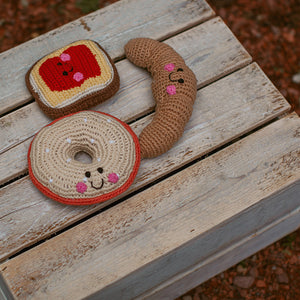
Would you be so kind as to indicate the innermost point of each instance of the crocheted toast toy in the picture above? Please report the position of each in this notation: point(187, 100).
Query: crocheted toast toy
point(174, 88)
point(73, 78)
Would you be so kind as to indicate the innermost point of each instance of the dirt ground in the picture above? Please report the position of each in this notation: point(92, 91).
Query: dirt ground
point(270, 31)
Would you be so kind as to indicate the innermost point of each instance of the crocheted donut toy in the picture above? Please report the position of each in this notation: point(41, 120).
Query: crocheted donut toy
point(112, 145)
point(174, 88)
point(73, 78)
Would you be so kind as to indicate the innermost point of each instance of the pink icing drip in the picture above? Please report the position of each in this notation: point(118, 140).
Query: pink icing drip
point(171, 89)
point(113, 177)
point(81, 187)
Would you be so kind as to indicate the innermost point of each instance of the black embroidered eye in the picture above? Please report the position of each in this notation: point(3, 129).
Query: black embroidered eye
point(100, 170)
point(88, 174)
point(179, 70)
point(180, 80)
point(59, 64)
point(65, 73)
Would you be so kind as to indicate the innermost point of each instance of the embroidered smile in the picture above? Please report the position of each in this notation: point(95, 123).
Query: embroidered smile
point(180, 80)
point(98, 188)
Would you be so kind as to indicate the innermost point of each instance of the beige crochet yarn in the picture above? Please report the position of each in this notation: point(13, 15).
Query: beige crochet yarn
point(112, 145)
point(174, 88)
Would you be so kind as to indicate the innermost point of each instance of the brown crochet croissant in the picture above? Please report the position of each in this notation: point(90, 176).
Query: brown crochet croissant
point(174, 88)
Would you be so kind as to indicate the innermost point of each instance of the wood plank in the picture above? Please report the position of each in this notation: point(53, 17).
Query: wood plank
point(223, 111)
point(162, 231)
point(226, 258)
point(112, 27)
point(213, 52)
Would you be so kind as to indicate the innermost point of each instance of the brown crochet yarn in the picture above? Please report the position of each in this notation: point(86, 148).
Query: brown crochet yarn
point(73, 78)
point(174, 88)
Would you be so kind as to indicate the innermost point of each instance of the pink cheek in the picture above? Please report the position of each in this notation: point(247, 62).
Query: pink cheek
point(65, 57)
point(169, 67)
point(171, 89)
point(78, 76)
point(113, 178)
point(81, 187)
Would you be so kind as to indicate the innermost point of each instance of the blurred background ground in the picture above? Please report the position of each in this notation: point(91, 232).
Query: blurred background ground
point(270, 31)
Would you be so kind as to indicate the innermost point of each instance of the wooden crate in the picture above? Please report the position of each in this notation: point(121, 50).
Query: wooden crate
point(228, 188)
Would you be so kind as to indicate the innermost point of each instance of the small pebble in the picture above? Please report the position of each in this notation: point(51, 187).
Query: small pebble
point(294, 259)
point(196, 297)
point(254, 258)
point(261, 284)
point(69, 141)
point(243, 281)
point(243, 293)
point(282, 278)
point(92, 141)
point(241, 269)
point(254, 272)
point(47, 150)
point(204, 297)
point(296, 78)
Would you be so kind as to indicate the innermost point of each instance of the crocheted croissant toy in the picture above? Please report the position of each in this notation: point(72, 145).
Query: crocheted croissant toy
point(174, 88)
point(114, 148)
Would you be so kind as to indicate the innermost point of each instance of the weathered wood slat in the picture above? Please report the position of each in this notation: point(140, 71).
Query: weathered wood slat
point(223, 111)
point(112, 27)
point(213, 52)
point(226, 258)
point(141, 242)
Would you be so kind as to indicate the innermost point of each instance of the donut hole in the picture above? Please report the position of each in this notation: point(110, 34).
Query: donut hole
point(83, 157)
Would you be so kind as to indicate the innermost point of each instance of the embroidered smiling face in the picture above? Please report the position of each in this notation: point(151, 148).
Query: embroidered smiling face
point(174, 76)
point(170, 80)
point(113, 151)
point(96, 180)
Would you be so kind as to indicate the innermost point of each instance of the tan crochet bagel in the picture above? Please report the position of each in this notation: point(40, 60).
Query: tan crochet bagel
point(174, 89)
point(111, 144)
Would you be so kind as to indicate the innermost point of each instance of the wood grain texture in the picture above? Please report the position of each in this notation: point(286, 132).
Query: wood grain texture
point(223, 111)
point(213, 52)
point(141, 242)
point(111, 27)
point(227, 257)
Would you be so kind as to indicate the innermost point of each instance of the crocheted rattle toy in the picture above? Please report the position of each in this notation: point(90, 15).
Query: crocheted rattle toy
point(73, 78)
point(114, 148)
